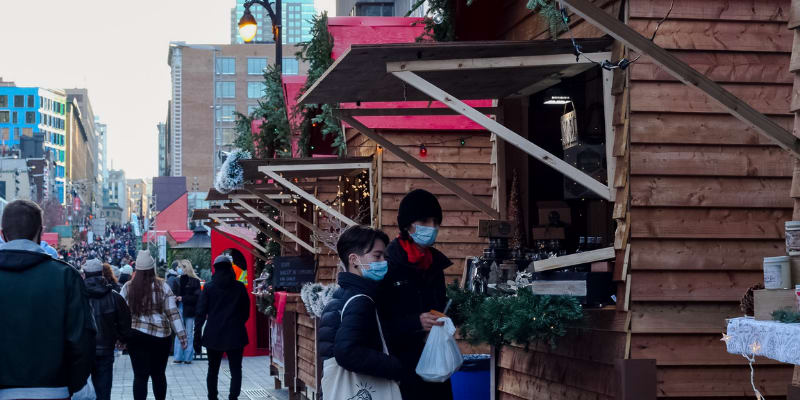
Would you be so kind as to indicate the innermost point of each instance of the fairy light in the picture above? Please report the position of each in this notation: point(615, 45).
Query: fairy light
point(423, 151)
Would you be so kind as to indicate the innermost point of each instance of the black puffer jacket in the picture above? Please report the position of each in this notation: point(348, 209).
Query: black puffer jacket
point(189, 290)
point(111, 315)
point(353, 338)
point(225, 303)
point(406, 292)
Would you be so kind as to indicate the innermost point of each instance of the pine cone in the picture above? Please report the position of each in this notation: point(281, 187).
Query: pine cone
point(747, 304)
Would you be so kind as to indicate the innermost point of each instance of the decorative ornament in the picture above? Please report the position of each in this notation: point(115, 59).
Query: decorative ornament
point(747, 304)
point(423, 151)
point(437, 17)
point(725, 338)
point(316, 296)
point(231, 175)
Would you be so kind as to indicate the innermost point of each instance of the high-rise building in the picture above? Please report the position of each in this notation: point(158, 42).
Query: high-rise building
point(163, 149)
point(377, 8)
point(210, 83)
point(79, 161)
point(102, 158)
point(118, 194)
point(81, 97)
point(137, 200)
point(295, 19)
point(30, 112)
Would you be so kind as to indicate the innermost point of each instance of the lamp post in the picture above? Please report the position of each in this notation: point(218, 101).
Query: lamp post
point(248, 26)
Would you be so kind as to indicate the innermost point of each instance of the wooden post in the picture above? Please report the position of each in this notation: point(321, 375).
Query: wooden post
point(636, 379)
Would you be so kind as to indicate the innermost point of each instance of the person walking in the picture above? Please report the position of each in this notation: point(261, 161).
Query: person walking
point(224, 308)
point(47, 343)
point(125, 273)
point(154, 318)
point(113, 321)
point(413, 286)
point(189, 295)
point(108, 273)
point(349, 332)
point(172, 277)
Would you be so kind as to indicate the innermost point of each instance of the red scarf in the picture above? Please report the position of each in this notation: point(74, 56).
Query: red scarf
point(420, 258)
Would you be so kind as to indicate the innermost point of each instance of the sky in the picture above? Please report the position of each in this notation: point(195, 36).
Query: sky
point(118, 51)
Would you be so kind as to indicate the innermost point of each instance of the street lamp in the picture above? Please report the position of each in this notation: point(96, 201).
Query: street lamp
point(248, 27)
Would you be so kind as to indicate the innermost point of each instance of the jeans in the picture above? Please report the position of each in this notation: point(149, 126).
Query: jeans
point(102, 375)
point(235, 365)
point(178, 352)
point(149, 355)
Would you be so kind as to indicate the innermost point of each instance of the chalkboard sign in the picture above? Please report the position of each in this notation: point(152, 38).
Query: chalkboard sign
point(292, 272)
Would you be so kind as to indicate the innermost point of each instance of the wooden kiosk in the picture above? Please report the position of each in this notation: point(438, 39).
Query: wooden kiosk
point(697, 180)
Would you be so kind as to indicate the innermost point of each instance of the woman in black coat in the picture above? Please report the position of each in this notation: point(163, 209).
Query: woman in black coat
point(413, 287)
point(353, 338)
point(225, 305)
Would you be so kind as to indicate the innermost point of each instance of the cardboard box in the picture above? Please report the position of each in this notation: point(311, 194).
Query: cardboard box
point(769, 300)
point(548, 233)
point(795, 264)
point(560, 207)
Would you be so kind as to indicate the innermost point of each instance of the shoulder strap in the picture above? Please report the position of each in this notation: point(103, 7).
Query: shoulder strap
point(380, 330)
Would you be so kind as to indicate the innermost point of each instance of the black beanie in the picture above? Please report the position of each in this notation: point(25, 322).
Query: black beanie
point(418, 205)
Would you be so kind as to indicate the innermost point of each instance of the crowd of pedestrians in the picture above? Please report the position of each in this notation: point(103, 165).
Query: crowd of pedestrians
point(391, 293)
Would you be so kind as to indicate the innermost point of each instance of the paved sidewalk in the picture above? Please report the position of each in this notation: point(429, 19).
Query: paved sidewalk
point(189, 381)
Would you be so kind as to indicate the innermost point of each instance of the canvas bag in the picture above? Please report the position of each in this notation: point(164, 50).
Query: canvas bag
point(341, 384)
point(441, 356)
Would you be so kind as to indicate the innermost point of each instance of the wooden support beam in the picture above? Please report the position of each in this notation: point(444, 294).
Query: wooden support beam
point(574, 259)
point(507, 134)
point(254, 222)
point(230, 237)
point(408, 158)
point(218, 219)
point(286, 210)
point(401, 112)
point(277, 226)
point(488, 63)
point(686, 74)
point(636, 379)
point(308, 196)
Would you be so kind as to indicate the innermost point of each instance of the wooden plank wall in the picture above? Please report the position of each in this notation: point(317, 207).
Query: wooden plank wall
point(468, 165)
point(708, 195)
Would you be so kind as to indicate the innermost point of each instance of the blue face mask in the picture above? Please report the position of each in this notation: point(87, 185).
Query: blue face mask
point(424, 236)
point(377, 270)
point(180, 271)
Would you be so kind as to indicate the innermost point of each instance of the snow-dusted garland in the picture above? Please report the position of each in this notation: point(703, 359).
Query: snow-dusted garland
point(315, 296)
point(231, 175)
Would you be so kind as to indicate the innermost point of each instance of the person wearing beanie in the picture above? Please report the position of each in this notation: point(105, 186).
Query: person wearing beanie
point(125, 273)
point(412, 288)
point(155, 318)
point(224, 308)
point(112, 320)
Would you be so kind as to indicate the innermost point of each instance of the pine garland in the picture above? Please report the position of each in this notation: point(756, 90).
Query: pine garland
point(440, 18)
point(786, 316)
point(523, 318)
point(317, 52)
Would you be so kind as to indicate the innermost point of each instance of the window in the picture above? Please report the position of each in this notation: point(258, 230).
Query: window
point(16, 134)
point(27, 132)
point(3, 100)
point(255, 90)
point(4, 133)
point(14, 117)
point(30, 117)
point(19, 101)
point(228, 136)
point(290, 66)
point(256, 66)
point(4, 116)
point(225, 113)
point(374, 10)
point(226, 65)
point(226, 89)
point(30, 101)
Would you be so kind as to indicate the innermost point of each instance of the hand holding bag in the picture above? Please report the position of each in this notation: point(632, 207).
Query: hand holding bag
point(441, 356)
point(341, 384)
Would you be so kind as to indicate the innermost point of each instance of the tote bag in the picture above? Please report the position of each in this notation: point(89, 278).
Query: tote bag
point(341, 384)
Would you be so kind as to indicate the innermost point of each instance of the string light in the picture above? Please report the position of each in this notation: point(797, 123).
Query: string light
point(423, 151)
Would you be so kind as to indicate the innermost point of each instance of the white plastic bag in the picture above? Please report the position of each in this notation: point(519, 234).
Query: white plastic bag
point(441, 357)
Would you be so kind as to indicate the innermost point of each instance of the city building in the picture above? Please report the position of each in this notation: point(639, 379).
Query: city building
point(102, 158)
point(79, 164)
point(296, 21)
point(209, 84)
point(377, 8)
point(113, 214)
point(118, 194)
point(33, 114)
point(42, 175)
point(15, 181)
point(163, 149)
point(81, 97)
point(137, 200)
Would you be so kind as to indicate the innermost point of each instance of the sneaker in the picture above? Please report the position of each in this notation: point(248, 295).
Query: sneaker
point(177, 362)
point(187, 362)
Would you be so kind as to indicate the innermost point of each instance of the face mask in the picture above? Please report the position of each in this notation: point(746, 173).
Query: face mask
point(424, 236)
point(180, 271)
point(377, 270)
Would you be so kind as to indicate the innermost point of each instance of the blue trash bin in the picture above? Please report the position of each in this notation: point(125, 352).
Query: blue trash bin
point(473, 380)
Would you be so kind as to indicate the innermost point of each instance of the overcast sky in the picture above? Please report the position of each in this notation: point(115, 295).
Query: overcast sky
point(117, 50)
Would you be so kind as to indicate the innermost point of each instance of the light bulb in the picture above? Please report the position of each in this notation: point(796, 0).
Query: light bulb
point(438, 17)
